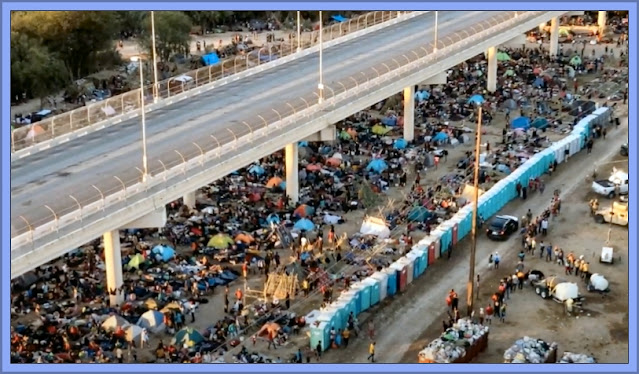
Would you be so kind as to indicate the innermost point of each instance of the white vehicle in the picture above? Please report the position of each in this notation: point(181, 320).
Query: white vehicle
point(617, 184)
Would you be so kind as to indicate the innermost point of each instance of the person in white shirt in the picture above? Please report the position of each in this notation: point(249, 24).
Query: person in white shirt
point(544, 227)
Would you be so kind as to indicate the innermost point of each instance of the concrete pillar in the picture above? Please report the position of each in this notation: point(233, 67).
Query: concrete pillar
point(601, 21)
point(554, 37)
point(113, 264)
point(292, 178)
point(542, 27)
point(491, 85)
point(409, 113)
point(189, 200)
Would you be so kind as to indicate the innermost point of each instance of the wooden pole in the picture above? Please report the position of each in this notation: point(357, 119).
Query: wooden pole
point(473, 248)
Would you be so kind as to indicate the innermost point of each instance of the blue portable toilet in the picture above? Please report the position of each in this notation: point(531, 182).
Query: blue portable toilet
point(414, 259)
point(382, 279)
point(365, 293)
point(340, 317)
point(373, 286)
point(423, 259)
point(356, 295)
point(349, 304)
point(320, 333)
point(329, 317)
point(392, 281)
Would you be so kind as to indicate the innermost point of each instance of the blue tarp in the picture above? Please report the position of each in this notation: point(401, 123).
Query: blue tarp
point(400, 143)
point(476, 99)
point(377, 165)
point(539, 82)
point(339, 18)
point(304, 224)
point(210, 59)
point(441, 136)
point(389, 121)
point(256, 169)
point(303, 144)
point(283, 185)
point(422, 95)
point(520, 123)
point(273, 218)
point(540, 123)
point(418, 214)
point(164, 251)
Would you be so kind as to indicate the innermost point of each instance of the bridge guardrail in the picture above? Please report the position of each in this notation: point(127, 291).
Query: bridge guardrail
point(123, 188)
point(50, 132)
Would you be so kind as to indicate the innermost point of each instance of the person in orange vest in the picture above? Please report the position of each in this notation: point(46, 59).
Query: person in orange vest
point(454, 300)
point(238, 294)
point(245, 269)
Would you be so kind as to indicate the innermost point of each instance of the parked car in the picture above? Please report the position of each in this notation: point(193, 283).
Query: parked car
point(617, 184)
point(501, 227)
point(624, 150)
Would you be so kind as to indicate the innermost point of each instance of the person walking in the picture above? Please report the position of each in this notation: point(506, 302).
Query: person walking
point(371, 352)
point(489, 315)
point(502, 313)
point(346, 334)
point(549, 253)
point(496, 259)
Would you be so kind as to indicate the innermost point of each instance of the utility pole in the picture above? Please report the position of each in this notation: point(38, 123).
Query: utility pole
point(471, 274)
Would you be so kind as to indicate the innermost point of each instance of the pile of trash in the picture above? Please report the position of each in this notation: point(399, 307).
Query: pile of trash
point(529, 351)
point(576, 358)
point(453, 344)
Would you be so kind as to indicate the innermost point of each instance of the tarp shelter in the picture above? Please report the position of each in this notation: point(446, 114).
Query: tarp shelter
point(136, 261)
point(256, 169)
point(520, 123)
point(418, 214)
point(220, 241)
point(304, 211)
point(380, 130)
point(244, 238)
point(274, 182)
point(210, 59)
point(540, 123)
point(377, 165)
point(576, 60)
point(422, 95)
point(476, 99)
point(400, 143)
point(172, 306)
point(269, 328)
point(113, 322)
point(304, 225)
point(389, 121)
point(164, 251)
point(440, 137)
point(375, 226)
point(503, 56)
point(188, 336)
point(339, 18)
point(152, 320)
point(344, 135)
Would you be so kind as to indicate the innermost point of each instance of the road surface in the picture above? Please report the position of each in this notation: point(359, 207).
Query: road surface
point(50, 176)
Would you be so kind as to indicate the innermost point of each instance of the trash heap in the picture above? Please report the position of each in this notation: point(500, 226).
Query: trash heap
point(460, 343)
point(576, 358)
point(530, 351)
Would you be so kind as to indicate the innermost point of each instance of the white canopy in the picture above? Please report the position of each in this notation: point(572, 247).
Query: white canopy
point(375, 226)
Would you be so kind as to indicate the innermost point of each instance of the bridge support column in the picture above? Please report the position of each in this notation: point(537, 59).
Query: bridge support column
point(491, 84)
point(189, 200)
point(409, 113)
point(554, 37)
point(292, 178)
point(601, 21)
point(113, 264)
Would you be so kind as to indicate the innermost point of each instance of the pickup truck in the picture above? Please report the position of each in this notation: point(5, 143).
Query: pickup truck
point(616, 184)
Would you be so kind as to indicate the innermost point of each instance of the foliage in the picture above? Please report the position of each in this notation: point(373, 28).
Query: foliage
point(172, 34)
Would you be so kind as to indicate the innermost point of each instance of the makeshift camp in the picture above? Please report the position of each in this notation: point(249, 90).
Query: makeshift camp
point(304, 225)
point(187, 336)
point(400, 143)
point(459, 344)
point(256, 169)
point(476, 99)
point(269, 328)
point(576, 358)
point(380, 130)
point(164, 252)
point(576, 60)
point(304, 211)
point(375, 226)
point(520, 123)
point(279, 285)
point(244, 238)
point(598, 283)
point(152, 320)
point(210, 59)
point(136, 261)
point(531, 351)
point(540, 123)
point(151, 304)
point(113, 322)
point(377, 165)
point(503, 56)
point(220, 241)
point(134, 334)
point(418, 214)
point(468, 193)
point(274, 182)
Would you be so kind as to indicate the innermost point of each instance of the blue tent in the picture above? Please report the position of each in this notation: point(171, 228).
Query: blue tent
point(441, 136)
point(273, 218)
point(210, 59)
point(400, 143)
point(377, 165)
point(540, 123)
point(339, 18)
point(304, 224)
point(283, 185)
point(256, 169)
point(520, 123)
point(389, 121)
point(422, 95)
point(418, 214)
point(164, 251)
point(476, 99)
point(303, 144)
point(539, 82)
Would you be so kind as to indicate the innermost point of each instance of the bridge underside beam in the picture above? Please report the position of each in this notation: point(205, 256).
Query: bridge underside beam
point(149, 221)
point(441, 78)
point(328, 134)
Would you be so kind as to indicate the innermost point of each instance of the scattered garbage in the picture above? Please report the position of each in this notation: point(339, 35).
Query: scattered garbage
point(576, 358)
point(531, 351)
point(459, 344)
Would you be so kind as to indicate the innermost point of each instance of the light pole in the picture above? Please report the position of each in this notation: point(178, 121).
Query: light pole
point(436, 19)
point(299, 31)
point(320, 86)
point(155, 63)
point(145, 168)
point(471, 274)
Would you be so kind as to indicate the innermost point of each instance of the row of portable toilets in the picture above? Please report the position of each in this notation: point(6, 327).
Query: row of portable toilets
point(395, 278)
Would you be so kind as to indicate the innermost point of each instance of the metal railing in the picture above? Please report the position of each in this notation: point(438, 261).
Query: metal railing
point(129, 102)
point(95, 199)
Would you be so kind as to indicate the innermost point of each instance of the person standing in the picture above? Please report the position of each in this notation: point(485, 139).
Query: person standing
point(477, 286)
point(346, 334)
point(489, 315)
point(371, 352)
point(502, 313)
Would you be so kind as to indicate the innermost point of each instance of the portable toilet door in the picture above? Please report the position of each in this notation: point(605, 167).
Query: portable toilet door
point(357, 298)
point(320, 333)
point(436, 236)
point(409, 265)
point(402, 273)
point(349, 303)
point(455, 230)
point(340, 318)
point(374, 287)
point(423, 260)
point(391, 283)
point(431, 253)
point(329, 317)
point(382, 279)
point(365, 293)
point(414, 260)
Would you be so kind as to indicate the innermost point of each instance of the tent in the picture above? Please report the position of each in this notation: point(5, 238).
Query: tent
point(344, 135)
point(152, 320)
point(520, 123)
point(422, 95)
point(418, 214)
point(210, 59)
point(476, 99)
point(576, 60)
point(380, 130)
point(400, 143)
point(244, 238)
point(189, 336)
point(151, 304)
point(164, 251)
point(440, 137)
point(269, 328)
point(304, 225)
point(220, 241)
point(335, 162)
point(172, 306)
point(274, 182)
point(389, 121)
point(509, 73)
point(303, 211)
point(136, 261)
point(375, 226)
point(273, 218)
point(134, 334)
point(339, 18)
point(598, 282)
point(256, 169)
point(503, 56)
point(377, 165)
point(540, 123)
point(113, 322)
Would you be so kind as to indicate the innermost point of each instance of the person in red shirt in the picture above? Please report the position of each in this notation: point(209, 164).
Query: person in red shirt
point(489, 314)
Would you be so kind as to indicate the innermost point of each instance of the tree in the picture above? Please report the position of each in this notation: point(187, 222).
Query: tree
point(131, 22)
point(34, 70)
point(172, 34)
point(77, 37)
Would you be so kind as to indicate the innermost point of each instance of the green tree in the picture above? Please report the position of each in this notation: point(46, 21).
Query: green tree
point(131, 21)
point(172, 34)
point(77, 37)
point(34, 70)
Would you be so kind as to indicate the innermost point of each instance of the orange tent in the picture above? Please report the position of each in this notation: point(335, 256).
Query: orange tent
point(269, 327)
point(274, 182)
point(333, 161)
point(244, 238)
